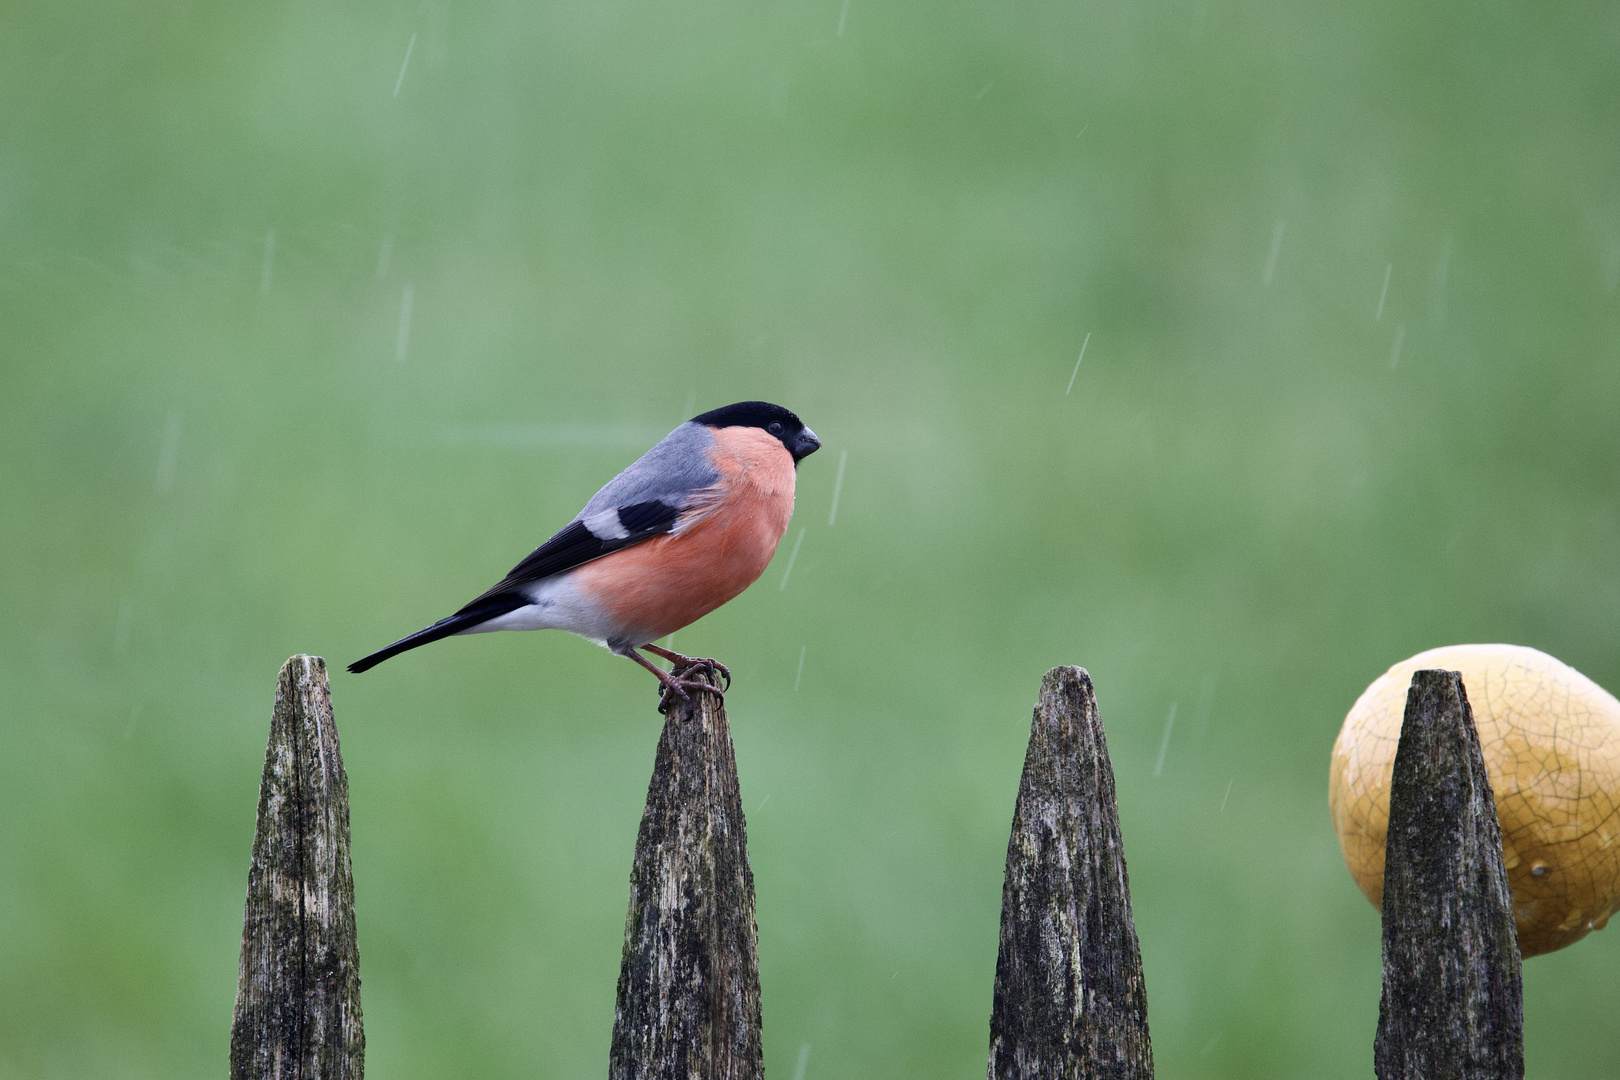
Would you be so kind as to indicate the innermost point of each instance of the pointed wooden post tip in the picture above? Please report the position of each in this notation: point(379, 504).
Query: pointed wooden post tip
point(297, 1013)
point(1070, 1000)
point(1452, 1001)
point(688, 1004)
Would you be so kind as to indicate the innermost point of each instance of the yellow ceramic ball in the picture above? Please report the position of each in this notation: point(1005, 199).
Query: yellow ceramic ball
point(1551, 740)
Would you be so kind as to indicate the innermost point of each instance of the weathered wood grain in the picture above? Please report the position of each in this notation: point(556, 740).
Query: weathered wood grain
point(298, 987)
point(1452, 1006)
point(1070, 1002)
point(688, 999)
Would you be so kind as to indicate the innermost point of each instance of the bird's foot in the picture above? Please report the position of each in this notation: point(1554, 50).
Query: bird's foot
point(712, 668)
point(682, 665)
point(675, 687)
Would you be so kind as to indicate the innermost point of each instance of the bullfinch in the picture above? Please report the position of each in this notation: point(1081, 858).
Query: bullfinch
point(691, 524)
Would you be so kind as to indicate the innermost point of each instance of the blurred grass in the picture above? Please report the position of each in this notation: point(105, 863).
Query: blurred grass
point(1247, 507)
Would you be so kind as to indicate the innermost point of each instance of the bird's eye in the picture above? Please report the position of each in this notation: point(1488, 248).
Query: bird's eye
point(775, 428)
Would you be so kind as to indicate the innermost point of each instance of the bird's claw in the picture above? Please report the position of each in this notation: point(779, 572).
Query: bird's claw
point(714, 668)
point(678, 687)
point(682, 665)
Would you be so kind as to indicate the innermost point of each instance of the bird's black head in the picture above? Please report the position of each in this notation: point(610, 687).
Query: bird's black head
point(800, 441)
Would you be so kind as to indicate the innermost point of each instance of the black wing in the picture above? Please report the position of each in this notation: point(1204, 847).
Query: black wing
point(577, 544)
point(573, 546)
point(481, 610)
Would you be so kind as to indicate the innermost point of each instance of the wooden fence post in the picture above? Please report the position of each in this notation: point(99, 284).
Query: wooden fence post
point(1070, 1002)
point(688, 999)
point(1452, 1003)
point(298, 987)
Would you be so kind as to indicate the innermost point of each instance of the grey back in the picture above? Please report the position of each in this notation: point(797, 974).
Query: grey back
point(673, 472)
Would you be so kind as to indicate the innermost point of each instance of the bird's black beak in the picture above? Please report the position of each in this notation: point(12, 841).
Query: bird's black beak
point(805, 445)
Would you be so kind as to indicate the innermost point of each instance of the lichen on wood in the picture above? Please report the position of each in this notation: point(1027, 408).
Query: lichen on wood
point(1070, 1001)
point(1452, 1003)
point(298, 986)
point(688, 999)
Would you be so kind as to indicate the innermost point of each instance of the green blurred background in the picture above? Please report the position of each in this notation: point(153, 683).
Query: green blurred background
point(303, 343)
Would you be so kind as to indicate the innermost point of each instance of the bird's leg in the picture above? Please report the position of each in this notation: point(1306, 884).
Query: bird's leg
point(673, 685)
point(684, 664)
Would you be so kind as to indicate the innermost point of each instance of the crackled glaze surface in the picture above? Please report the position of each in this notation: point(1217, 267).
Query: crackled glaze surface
point(1551, 740)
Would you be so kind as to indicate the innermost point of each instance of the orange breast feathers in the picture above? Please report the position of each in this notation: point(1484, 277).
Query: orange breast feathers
point(660, 585)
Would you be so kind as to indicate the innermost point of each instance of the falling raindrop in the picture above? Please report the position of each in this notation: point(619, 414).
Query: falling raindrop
point(792, 556)
point(407, 63)
point(1164, 744)
point(838, 487)
point(1076, 371)
point(404, 338)
point(1276, 247)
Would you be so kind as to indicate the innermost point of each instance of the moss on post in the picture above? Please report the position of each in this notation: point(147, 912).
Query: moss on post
point(1070, 1002)
point(298, 987)
point(688, 999)
point(1452, 1003)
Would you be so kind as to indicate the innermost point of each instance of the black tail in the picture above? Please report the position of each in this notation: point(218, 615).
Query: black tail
point(480, 610)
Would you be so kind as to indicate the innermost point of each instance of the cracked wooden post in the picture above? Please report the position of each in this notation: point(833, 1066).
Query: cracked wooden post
point(298, 987)
point(1452, 1003)
point(688, 999)
point(1070, 1002)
